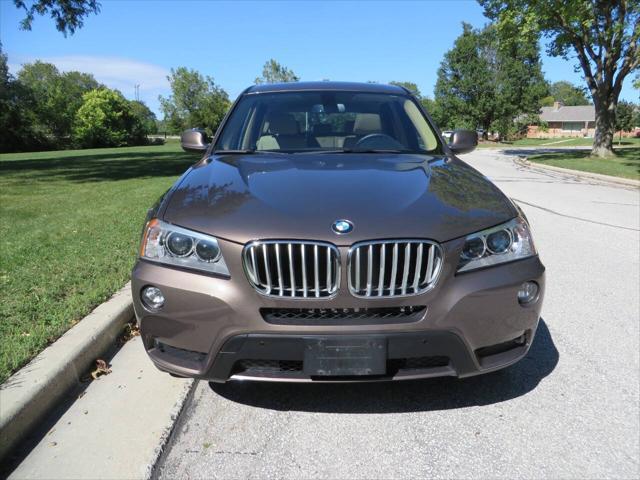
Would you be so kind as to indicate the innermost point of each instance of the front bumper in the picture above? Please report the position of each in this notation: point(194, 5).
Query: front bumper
point(212, 328)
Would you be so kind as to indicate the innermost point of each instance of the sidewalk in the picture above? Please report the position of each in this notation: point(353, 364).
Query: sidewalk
point(117, 429)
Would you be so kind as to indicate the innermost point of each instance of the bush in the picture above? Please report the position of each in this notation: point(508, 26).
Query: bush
point(107, 119)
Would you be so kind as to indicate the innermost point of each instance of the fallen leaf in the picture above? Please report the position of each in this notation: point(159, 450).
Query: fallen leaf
point(102, 368)
point(130, 330)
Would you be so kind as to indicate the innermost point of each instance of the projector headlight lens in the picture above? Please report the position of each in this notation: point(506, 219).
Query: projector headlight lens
point(504, 243)
point(207, 251)
point(180, 247)
point(499, 242)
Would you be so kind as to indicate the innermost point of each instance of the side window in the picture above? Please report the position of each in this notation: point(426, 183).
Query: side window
point(425, 137)
point(230, 139)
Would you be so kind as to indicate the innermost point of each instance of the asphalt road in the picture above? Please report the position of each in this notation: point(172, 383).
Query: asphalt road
point(569, 409)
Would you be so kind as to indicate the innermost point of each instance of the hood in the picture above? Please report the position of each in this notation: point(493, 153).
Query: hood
point(300, 196)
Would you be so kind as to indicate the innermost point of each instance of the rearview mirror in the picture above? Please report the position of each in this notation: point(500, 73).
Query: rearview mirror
point(463, 141)
point(194, 140)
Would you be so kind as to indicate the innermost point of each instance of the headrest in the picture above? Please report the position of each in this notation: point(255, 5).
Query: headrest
point(367, 123)
point(282, 124)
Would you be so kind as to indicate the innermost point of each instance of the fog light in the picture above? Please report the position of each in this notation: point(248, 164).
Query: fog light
point(528, 292)
point(152, 298)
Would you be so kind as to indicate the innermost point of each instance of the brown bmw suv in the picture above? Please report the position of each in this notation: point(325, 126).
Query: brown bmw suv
point(329, 234)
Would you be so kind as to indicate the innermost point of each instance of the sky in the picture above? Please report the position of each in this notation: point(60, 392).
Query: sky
point(137, 42)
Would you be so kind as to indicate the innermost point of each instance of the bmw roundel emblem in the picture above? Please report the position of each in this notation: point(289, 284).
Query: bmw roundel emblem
point(342, 226)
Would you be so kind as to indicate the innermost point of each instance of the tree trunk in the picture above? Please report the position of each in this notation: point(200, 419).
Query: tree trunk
point(605, 129)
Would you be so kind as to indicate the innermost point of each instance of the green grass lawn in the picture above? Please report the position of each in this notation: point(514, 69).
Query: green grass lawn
point(556, 143)
point(626, 163)
point(69, 227)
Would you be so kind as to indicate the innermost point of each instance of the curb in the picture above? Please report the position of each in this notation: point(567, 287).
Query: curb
point(627, 182)
point(28, 395)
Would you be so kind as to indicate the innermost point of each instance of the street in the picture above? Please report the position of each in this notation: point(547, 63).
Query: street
point(569, 409)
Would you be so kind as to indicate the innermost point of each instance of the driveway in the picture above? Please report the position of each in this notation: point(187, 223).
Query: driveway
point(569, 409)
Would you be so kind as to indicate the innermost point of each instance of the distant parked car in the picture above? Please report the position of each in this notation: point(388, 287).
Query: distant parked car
point(328, 233)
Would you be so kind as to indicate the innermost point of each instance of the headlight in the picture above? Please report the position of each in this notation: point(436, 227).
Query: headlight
point(504, 243)
point(166, 243)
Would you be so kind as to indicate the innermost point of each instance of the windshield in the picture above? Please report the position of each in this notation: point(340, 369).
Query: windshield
point(291, 122)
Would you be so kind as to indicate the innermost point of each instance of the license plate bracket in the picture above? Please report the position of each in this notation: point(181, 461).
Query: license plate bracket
point(345, 356)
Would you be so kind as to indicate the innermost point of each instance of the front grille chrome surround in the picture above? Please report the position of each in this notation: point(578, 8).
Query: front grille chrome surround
point(293, 268)
point(393, 268)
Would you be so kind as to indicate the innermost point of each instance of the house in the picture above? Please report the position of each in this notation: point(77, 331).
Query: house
point(565, 121)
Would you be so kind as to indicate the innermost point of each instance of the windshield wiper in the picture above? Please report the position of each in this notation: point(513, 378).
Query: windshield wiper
point(234, 152)
point(364, 150)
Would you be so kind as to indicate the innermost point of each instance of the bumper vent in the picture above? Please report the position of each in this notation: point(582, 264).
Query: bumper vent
point(342, 316)
point(293, 269)
point(393, 268)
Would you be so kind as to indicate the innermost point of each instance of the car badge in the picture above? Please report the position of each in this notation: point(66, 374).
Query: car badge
point(342, 227)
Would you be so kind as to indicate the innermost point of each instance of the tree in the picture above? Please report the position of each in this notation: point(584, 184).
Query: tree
point(105, 119)
point(57, 97)
point(146, 118)
point(483, 82)
point(68, 14)
point(602, 34)
point(568, 93)
point(195, 101)
point(273, 72)
point(16, 114)
point(464, 89)
point(625, 116)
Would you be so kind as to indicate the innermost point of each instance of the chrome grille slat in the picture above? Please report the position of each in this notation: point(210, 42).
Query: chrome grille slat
point(304, 269)
point(329, 266)
point(414, 266)
point(381, 273)
point(405, 272)
point(292, 271)
point(281, 290)
point(295, 269)
point(369, 270)
point(416, 275)
point(316, 268)
point(394, 272)
point(266, 269)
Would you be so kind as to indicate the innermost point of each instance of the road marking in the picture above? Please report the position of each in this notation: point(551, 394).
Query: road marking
point(576, 218)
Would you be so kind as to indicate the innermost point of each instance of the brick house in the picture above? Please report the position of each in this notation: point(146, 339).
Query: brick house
point(564, 121)
point(568, 121)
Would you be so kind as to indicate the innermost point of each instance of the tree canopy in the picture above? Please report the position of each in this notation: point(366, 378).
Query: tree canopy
point(56, 96)
point(603, 35)
point(195, 101)
point(487, 83)
point(625, 116)
point(17, 120)
point(568, 93)
point(106, 119)
point(274, 72)
point(68, 15)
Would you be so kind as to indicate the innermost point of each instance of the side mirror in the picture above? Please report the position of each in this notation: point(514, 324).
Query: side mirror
point(194, 140)
point(463, 141)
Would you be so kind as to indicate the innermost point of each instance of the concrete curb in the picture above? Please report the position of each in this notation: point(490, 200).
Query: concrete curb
point(627, 182)
point(28, 395)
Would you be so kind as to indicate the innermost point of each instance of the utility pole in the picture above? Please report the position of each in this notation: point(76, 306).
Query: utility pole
point(137, 91)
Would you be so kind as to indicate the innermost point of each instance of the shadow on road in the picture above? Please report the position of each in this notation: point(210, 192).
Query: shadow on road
point(408, 396)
